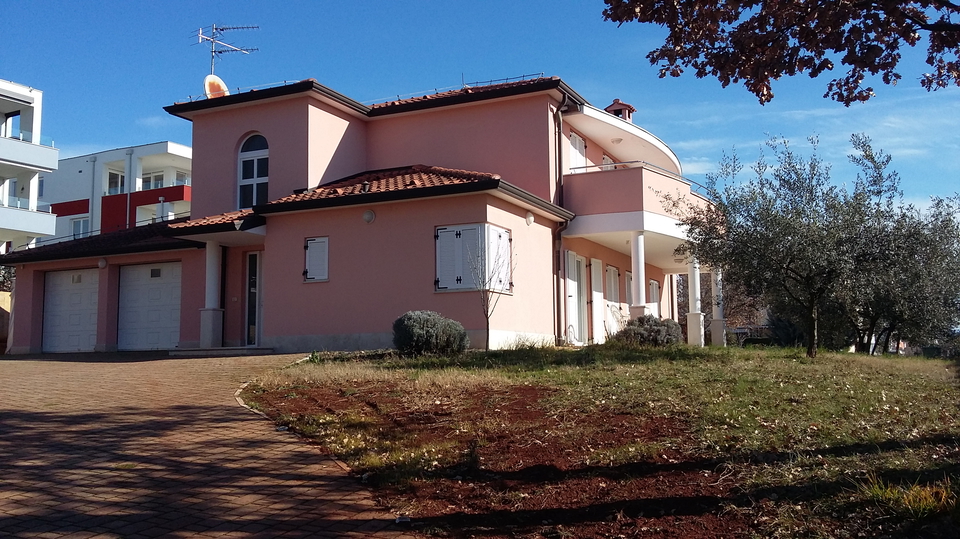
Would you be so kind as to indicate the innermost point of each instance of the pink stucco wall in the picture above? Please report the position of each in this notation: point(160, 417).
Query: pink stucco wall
point(28, 307)
point(512, 137)
point(380, 270)
point(530, 307)
point(310, 143)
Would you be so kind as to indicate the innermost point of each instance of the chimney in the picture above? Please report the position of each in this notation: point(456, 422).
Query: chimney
point(621, 110)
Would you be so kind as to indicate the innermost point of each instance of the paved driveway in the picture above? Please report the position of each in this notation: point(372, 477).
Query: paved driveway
point(131, 446)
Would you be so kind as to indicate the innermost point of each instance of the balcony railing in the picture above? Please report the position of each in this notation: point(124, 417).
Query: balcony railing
point(24, 204)
point(27, 136)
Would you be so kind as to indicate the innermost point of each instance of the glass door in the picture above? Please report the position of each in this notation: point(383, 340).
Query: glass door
point(254, 300)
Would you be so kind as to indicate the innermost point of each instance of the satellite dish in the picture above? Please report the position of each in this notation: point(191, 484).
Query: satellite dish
point(214, 86)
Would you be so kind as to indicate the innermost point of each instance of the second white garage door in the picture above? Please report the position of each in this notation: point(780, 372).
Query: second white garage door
point(149, 311)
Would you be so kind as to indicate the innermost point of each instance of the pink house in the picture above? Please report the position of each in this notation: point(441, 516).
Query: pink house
point(318, 220)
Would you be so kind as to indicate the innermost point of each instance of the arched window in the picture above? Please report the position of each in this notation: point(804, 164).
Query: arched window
point(254, 172)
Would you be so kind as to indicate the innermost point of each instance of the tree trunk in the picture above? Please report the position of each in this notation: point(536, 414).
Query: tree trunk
point(886, 340)
point(812, 338)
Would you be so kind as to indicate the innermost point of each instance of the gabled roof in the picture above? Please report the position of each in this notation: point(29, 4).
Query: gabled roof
point(145, 238)
point(405, 183)
point(467, 94)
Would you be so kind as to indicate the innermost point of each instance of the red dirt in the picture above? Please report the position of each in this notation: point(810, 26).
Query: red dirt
point(525, 471)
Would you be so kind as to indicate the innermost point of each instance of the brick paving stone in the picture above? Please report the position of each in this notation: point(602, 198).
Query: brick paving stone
point(140, 445)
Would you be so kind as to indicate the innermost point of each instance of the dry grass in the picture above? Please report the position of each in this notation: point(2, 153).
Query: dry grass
point(790, 429)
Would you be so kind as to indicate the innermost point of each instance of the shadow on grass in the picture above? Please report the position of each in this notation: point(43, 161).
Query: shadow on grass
point(738, 498)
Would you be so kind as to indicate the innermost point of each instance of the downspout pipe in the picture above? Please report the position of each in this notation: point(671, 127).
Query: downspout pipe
point(559, 286)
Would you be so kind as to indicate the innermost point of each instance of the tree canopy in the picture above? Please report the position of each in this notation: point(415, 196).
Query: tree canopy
point(759, 41)
point(789, 235)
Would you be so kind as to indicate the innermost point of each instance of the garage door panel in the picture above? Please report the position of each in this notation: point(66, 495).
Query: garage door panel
point(70, 310)
point(149, 313)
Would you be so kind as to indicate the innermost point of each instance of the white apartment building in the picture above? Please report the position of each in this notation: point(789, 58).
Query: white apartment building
point(118, 189)
point(24, 155)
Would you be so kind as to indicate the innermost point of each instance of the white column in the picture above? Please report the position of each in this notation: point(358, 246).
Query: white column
point(33, 191)
point(718, 331)
point(694, 315)
point(211, 316)
point(673, 297)
point(638, 268)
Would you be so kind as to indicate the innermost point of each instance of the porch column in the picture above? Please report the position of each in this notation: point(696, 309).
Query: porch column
point(718, 330)
point(638, 267)
point(211, 316)
point(673, 297)
point(694, 315)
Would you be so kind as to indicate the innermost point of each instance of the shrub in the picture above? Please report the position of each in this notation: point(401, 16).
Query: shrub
point(426, 332)
point(649, 330)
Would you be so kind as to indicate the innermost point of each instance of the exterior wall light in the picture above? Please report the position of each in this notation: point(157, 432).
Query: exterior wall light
point(369, 216)
point(102, 263)
point(529, 218)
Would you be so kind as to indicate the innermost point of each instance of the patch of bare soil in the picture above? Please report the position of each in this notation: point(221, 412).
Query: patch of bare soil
point(515, 467)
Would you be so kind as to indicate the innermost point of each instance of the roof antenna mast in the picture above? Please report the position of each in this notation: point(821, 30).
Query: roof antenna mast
point(218, 47)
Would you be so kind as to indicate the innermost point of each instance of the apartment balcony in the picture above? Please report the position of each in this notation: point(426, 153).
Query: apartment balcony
point(20, 224)
point(19, 154)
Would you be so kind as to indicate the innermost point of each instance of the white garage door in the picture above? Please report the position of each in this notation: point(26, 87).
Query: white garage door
point(149, 313)
point(70, 310)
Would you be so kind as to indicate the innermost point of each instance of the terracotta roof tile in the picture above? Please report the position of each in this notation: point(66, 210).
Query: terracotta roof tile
point(465, 91)
point(223, 218)
point(389, 180)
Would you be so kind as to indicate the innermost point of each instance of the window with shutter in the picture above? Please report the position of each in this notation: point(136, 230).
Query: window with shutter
point(316, 259)
point(471, 257)
point(578, 153)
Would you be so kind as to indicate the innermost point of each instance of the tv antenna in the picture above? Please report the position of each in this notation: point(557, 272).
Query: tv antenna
point(218, 47)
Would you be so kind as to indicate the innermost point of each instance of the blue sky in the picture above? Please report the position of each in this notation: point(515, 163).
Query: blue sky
point(107, 68)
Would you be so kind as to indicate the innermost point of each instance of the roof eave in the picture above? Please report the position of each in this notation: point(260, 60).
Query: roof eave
point(173, 245)
point(529, 199)
point(188, 109)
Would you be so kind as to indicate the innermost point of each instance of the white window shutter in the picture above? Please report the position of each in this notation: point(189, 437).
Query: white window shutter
point(446, 258)
point(596, 300)
point(499, 264)
point(578, 153)
point(614, 317)
point(317, 259)
point(629, 287)
point(471, 257)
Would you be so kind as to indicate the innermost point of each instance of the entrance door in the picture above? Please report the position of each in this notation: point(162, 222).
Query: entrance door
point(254, 300)
point(576, 330)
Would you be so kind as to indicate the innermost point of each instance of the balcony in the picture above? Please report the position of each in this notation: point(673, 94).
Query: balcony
point(616, 201)
point(623, 188)
point(16, 153)
point(19, 224)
